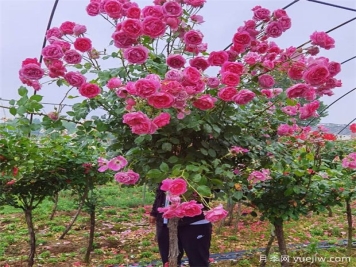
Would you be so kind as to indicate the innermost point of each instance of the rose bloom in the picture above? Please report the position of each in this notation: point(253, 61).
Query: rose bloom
point(130, 177)
point(199, 63)
point(334, 68)
point(178, 186)
point(172, 9)
point(152, 11)
point(260, 13)
point(241, 38)
point(79, 29)
point(52, 52)
point(93, 9)
point(31, 71)
point(161, 100)
point(323, 40)
point(243, 97)
point(191, 75)
point(166, 183)
point(153, 27)
point(213, 82)
point(72, 57)
point(172, 211)
point(173, 75)
point(329, 136)
point(230, 79)
point(103, 164)
point(238, 150)
point(54, 32)
point(309, 110)
point(290, 110)
point(75, 78)
point(175, 61)
point(195, 3)
point(205, 102)
point(274, 29)
point(162, 119)
point(29, 61)
point(132, 27)
point(191, 208)
point(227, 93)
point(234, 67)
point(136, 55)
point(193, 89)
point(113, 83)
point(82, 44)
point(145, 127)
point(122, 39)
point(316, 74)
point(145, 87)
point(135, 118)
point(297, 90)
point(113, 9)
point(353, 127)
point(67, 27)
point(65, 46)
point(266, 81)
point(193, 37)
point(285, 22)
point(53, 115)
point(117, 163)
point(295, 72)
point(216, 214)
point(198, 19)
point(218, 58)
point(89, 90)
point(258, 176)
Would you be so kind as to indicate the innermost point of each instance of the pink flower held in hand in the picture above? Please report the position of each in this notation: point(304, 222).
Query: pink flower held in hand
point(191, 208)
point(117, 163)
point(136, 55)
point(130, 177)
point(89, 90)
point(216, 214)
point(323, 40)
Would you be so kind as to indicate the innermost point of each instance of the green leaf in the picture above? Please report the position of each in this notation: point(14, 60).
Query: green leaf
point(13, 111)
point(204, 190)
point(212, 153)
point(154, 173)
point(87, 65)
point(37, 98)
point(22, 91)
point(164, 167)
point(12, 102)
point(167, 146)
point(196, 177)
point(173, 159)
point(78, 66)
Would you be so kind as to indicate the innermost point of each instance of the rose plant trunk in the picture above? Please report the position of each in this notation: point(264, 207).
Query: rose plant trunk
point(173, 241)
point(279, 231)
point(32, 235)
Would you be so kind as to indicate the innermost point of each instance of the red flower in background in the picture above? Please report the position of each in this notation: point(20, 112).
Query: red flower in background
point(353, 127)
point(329, 136)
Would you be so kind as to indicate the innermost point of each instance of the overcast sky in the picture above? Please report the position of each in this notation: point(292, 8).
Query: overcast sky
point(23, 24)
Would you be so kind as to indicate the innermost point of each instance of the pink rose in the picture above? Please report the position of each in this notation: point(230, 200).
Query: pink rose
point(290, 110)
point(285, 23)
point(323, 40)
point(153, 27)
point(193, 89)
point(297, 90)
point(82, 44)
point(309, 110)
point(172, 87)
point(117, 163)
point(267, 92)
point(234, 67)
point(75, 79)
point(89, 90)
point(191, 75)
point(174, 75)
point(67, 27)
point(227, 93)
point(242, 38)
point(160, 100)
point(162, 119)
point(260, 13)
point(52, 52)
point(205, 102)
point(133, 12)
point(136, 55)
point(191, 208)
point(274, 29)
point(146, 87)
point(113, 9)
point(114, 83)
point(65, 46)
point(178, 187)
point(296, 70)
point(166, 183)
point(334, 68)
point(93, 9)
point(152, 11)
point(139, 123)
point(259, 176)
point(53, 115)
point(55, 67)
point(172, 9)
point(278, 13)
point(195, 3)
point(175, 61)
point(103, 164)
point(199, 63)
point(54, 32)
point(130, 177)
point(172, 211)
point(29, 61)
point(122, 39)
point(72, 57)
point(230, 78)
point(198, 19)
point(79, 29)
point(132, 27)
point(193, 37)
point(316, 74)
point(218, 58)
point(31, 71)
point(216, 214)
point(213, 82)
point(266, 81)
point(243, 97)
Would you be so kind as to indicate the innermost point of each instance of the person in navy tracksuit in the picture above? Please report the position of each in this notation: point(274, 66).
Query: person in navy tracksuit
point(194, 234)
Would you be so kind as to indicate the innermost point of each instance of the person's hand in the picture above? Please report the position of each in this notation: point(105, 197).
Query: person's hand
point(152, 219)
